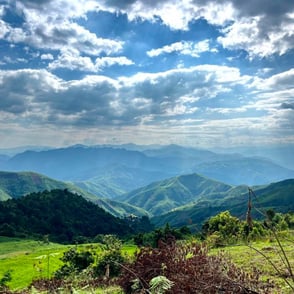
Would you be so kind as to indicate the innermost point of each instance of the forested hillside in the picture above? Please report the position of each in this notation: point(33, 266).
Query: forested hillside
point(18, 184)
point(62, 215)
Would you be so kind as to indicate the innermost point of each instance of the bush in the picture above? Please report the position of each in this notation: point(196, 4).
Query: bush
point(109, 264)
point(190, 270)
point(74, 262)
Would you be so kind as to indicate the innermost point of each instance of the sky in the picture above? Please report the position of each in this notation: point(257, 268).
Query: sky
point(203, 73)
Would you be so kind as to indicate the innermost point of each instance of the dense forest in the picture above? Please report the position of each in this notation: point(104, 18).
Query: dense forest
point(62, 215)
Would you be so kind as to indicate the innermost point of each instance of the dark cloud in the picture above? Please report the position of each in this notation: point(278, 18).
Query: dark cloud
point(287, 105)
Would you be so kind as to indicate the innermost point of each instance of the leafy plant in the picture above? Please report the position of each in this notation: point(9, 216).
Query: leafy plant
point(160, 284)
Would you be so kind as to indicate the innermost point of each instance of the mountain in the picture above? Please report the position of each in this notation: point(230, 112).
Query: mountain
point(62, 215)
point(245, 170)
point(16, 150)
point(18, 184)
point(163, 196)
point(278, 196)
point(117, 179)
point(281, 154)
point(111, 171)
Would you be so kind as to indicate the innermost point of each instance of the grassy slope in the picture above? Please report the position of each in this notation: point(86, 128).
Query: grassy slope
point(28, 259)
point(248, 258)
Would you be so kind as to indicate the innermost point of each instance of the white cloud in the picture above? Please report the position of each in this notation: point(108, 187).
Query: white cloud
point(52, 25)
point(262, 28)
point(109, 61)
point(246, 34)
point(4, 29)
point(72, 60)
point(48, 56)
point(186, 48)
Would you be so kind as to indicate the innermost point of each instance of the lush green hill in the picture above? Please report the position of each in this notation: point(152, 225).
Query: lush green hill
point(62, 215)
point(18, 184)
point(163, 196)
point(279, 196)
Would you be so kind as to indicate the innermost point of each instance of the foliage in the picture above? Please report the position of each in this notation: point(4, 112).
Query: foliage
point(224, 229)
point(160, 284)
point(109, 264)
point(74, 261)
point(191, 270)
point(110, 260)
point(4, 280)
point(227, 226)
point(152, 238)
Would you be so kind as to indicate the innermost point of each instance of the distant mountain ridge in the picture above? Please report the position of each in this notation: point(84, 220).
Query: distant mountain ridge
point(111, 171)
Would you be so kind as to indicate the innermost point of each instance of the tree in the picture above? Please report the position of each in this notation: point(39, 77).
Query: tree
point(225, 224)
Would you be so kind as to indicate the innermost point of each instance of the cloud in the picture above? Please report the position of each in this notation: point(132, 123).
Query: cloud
point(186, 48)
point(189, 102)
point(57, 36)
point(48, 56)
point(287, 106)
point(4, 29)
point(98, 100)
point(247, 34)
point(71, 59)
point(262, 28)
point(52, 25)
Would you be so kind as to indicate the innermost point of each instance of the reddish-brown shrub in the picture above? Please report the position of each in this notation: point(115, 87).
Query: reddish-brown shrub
point(191, 269)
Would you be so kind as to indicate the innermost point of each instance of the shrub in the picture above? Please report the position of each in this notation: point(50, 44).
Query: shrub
point(109, 264)
point(74, 262)
point(190, 270)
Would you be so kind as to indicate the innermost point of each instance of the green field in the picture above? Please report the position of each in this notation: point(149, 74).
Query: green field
point(28, 259)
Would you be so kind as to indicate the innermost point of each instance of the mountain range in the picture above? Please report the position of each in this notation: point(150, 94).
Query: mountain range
point(174, 184)
point(181, 200)
point(111, 171)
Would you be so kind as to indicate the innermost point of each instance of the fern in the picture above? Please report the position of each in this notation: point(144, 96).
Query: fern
point(160, 284)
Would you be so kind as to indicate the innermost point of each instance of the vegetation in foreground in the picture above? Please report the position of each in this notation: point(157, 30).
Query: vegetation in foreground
point(220, 266)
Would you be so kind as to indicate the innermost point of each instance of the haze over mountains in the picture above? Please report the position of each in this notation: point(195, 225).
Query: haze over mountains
point(110, 171)
point(174, 184)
